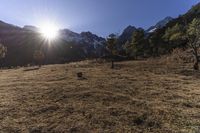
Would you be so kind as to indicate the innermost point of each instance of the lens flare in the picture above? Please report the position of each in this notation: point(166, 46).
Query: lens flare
point(49, 31)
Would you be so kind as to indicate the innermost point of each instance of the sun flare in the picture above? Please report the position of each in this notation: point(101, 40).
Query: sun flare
point(49, 31)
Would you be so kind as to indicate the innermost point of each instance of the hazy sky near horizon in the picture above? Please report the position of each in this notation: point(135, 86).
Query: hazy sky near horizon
point(98, 16)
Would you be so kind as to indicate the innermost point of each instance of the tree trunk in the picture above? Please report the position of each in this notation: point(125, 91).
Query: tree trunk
point(196, 65)
point(112, 64)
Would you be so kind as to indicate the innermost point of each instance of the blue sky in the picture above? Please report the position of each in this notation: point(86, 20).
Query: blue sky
point(98, 16)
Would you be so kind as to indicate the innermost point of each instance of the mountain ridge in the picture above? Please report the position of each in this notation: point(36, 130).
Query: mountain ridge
point(160, 24)
point(72, 46)
point(84, 44)
point(69, 46)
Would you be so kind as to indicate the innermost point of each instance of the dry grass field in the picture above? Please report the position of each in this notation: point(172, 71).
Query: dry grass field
point(136, 96)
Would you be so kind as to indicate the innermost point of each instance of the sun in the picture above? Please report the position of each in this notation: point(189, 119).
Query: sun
point(49, 31)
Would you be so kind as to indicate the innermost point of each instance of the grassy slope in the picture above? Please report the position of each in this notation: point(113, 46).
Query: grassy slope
point(137, 96)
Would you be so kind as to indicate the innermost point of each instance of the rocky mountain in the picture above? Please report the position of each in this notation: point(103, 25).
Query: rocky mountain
point(126, 34)
point(30, 28)
point(128, 31)
point(69, 46)
point(160, 24)
point(92, 44)
point(70, 36)
point(82, 38)
point(9, 27)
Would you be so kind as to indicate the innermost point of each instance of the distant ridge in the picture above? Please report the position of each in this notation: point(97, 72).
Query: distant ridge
point(160, 24)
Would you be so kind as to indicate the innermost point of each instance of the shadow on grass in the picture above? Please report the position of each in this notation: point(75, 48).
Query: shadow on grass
point(190, 73)
point(32, 69)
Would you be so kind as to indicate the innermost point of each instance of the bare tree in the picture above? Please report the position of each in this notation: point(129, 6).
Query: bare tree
point(111, 46)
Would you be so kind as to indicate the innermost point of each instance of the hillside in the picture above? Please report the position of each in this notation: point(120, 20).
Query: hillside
point(160, 24)
point(69, 46)
point(161, 39)
point(137, 96)
point(158, 37)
